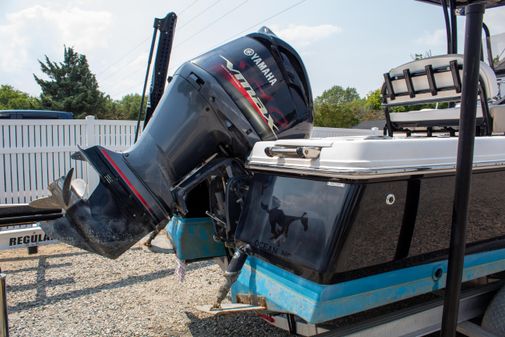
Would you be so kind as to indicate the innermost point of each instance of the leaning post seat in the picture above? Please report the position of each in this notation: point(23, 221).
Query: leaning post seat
point(433, 80)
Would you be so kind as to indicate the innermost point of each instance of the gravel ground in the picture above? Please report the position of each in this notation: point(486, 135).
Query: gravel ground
point(64, 291)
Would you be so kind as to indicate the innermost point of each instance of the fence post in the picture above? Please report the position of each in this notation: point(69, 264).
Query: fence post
point(91, 135)
point(91, 140)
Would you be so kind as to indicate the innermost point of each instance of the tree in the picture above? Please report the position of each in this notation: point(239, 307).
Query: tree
point(342, 115)
point(71, 86)
point(373, 100)
point(338, 107)
point(125, 108)
point(11, 98)
point(338, 95)
point(372, 107)
point(128, 106)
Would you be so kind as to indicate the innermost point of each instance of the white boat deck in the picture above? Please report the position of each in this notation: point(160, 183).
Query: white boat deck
point(362, 156)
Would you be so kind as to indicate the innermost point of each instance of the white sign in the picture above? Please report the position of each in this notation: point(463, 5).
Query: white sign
point(24, 237)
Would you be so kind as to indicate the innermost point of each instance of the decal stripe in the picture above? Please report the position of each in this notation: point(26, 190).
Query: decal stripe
point(244, 93)
point(126, 180)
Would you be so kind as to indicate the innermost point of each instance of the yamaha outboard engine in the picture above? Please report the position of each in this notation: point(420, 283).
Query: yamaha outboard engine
point(212, 112)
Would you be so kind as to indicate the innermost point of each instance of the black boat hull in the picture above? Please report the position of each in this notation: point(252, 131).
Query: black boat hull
point(330, 231)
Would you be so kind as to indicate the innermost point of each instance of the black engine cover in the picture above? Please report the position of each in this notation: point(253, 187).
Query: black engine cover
point(216, 106)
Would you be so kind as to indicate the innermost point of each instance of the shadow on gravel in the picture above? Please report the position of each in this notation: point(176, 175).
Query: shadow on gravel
point(160, 250)
point(49, 283)
point(43, 300)
point(199, 264)
point(29, 269)
point(41, 283)
point(34, 257)
point(245, 324)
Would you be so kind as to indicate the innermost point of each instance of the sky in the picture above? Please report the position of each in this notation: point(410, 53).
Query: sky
point(346, 43)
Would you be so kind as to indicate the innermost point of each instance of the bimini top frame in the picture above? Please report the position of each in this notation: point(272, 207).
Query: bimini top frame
point(463, 3)
point(450, 9)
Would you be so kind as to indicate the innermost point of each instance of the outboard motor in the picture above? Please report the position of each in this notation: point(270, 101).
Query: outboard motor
point(212, 112)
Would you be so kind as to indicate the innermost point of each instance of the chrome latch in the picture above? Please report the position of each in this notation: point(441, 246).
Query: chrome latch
point(293, 152)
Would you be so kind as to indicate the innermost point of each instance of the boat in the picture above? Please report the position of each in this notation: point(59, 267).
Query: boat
point(317, 228)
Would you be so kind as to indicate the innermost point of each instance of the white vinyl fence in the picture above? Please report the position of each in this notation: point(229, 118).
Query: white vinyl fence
point(33, 153)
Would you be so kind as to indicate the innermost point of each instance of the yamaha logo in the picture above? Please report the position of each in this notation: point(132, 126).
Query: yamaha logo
point(262, 66)
point(248, 52)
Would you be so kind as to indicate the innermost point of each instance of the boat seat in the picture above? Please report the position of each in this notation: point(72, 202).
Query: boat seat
point(429, 80)
point(430, 117)
point(448, 117)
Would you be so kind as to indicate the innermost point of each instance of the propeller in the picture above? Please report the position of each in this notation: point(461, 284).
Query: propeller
point(64, 192)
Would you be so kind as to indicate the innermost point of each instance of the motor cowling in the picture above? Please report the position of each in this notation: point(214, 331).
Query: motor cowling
point(215, 107)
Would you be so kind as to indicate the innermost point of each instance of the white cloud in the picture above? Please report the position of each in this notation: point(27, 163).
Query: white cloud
point(140, 62)
point(436, 38)
point(34, 31)
point(302, 36)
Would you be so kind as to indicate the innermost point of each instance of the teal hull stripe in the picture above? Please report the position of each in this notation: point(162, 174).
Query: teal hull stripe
point(316, 303)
